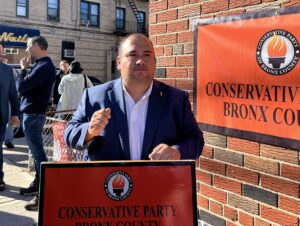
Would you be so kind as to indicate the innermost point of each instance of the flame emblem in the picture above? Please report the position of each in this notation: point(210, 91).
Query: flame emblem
point(277, 47)
point(118, 182)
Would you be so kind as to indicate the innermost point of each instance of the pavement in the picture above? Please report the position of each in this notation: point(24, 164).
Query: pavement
point(16, 176)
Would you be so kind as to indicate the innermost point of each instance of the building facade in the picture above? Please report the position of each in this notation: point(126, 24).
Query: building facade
point(88, 31)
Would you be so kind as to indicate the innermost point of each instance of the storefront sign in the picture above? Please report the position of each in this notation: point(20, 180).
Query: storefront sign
point(118, 194)
point(247, 75)
point(15, 36)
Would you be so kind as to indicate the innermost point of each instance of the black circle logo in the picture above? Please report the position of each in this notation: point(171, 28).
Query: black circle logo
point(118, 185)
point(277, 52)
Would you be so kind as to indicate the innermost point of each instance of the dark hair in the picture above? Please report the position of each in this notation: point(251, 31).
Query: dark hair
point(128, 36)
point(2, 44)
point(41, 41)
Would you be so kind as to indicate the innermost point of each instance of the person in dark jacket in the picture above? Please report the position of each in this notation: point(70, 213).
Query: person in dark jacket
point(64, 70)
point(35, 90)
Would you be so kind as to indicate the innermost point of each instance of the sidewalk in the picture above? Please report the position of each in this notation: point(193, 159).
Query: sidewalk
point(12, 212)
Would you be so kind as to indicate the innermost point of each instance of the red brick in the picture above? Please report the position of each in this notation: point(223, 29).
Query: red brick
point(159, 51)
point(289, 204)
point(189, 11)
point(231, 12)
point(207, 152)
point(261, 164)
point(194, 1)
point(245, 146)
point(177, 73)
point(178, 26)
point(290, 3)
point(279, 153)
point(238, 3)
point(190, 72)
point(291, 172)
point(278, 216)
point(167, 16)
point(245, 219)
point(242, 174)
point(280, 185)
point(204, 177)
point(243, 203)
point(186, 36)
point(185, 84)
point(260, 222)
point(168, 81)
point(216, 208)
point(202, 202)
point(165, 61)
point(227, 184)
point(166, 39)
point(153, 39)
point(158, 6)
point(213, 193)
point(184, 61)
point(212, 166)
point(168, 50)
point(228, 223)
point(157, 29)
point(177, 3)
point(214, 6)
point(230, 213)
point(153, 18)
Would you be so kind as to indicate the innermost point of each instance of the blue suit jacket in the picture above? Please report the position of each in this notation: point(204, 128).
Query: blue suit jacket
point(169, 120)
point(8, 94)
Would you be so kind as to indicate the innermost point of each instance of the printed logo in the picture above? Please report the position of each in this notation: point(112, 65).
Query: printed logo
point(118, 185)
point(277, 52)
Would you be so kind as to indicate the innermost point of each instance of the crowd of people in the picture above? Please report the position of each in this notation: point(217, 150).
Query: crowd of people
point(134, 117)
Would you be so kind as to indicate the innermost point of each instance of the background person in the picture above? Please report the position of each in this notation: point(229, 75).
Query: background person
point(35, 90)
point(135, 117)
point(71, 87)
point(64, 70)
point(8, 95)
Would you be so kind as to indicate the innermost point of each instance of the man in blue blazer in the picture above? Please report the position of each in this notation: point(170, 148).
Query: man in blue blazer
point(135, 117)
point(8, 95)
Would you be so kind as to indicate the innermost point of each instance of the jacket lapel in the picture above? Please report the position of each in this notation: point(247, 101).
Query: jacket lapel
point(119, 114)
point(155, 106)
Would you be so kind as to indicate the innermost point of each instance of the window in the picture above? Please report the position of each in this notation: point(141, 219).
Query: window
point(120, 19)
point(11, 51)
point(53, 10)
point(141, 26)
point(22, 8)
point(89, 13)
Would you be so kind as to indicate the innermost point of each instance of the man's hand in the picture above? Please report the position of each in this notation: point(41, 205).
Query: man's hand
point(165, 152)
point(14, 121)
point(25, 62)
point(98, 123)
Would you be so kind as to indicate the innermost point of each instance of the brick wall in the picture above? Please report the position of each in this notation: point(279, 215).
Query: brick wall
point(239, 182)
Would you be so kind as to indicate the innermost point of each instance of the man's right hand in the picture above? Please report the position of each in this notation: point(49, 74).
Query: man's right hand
point(98, 122)
point(25, 62)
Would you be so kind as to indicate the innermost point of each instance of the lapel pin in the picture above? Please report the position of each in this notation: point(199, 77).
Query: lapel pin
point(161, 93)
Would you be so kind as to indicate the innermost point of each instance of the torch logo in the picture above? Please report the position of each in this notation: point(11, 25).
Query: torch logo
point(118, 185)
point(277, 52)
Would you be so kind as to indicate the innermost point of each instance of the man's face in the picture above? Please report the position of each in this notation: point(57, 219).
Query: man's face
point(136, 60)
point(31, 48)
point(64, 67)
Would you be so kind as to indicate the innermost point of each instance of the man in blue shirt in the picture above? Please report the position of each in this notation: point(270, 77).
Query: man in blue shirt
point(35, 90)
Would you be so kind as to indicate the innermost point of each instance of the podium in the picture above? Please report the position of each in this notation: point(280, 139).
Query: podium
point(123, 193)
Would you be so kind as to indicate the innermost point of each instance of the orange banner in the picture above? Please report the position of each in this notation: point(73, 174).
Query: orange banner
point(118, 194)
point(248, 82)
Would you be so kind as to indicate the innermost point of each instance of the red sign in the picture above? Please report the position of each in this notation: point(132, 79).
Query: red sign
point(118, 194)
point(248, 82)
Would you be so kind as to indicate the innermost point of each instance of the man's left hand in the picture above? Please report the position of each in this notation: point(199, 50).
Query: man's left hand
point(165, 152)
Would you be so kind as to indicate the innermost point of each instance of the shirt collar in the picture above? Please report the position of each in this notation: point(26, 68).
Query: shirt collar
point(146, 94)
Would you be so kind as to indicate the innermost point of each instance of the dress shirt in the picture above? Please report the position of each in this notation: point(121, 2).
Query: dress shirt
point(136, 118)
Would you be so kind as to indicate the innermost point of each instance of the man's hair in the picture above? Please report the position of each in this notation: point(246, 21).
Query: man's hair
point(128, 36)
point(63, 62)
point(41, 41)
point(2, 44)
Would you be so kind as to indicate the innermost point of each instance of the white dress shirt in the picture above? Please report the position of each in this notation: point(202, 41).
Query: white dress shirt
point(136, 118)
